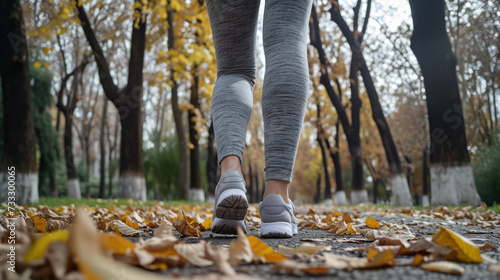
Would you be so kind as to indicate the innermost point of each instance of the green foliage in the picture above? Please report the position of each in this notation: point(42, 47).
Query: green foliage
point(161, 168)
point(486, 172)
point(46, 135)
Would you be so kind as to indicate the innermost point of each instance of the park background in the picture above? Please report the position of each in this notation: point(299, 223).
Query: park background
point(119, 101)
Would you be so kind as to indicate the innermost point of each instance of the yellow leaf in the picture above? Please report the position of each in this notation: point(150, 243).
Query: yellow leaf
point(37, 64)
point(45, 50)
point(38, 249)
point(207, 224)
point(463, 249)
point(40, 223)
point(262, 250)
point(115, 243)
point(445, 267)
point(160, 75)
point(372, 223)
point(46, 64)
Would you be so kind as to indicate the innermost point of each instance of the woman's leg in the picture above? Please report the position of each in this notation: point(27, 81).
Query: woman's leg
point(284, 94)
point(234, 24)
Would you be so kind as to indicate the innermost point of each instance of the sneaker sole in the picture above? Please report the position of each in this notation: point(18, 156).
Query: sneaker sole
point(231, 205)
point(227, 226)
point(276, 230)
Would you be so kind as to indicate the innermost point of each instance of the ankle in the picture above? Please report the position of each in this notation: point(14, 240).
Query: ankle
point(230, 162)
point(277, 187)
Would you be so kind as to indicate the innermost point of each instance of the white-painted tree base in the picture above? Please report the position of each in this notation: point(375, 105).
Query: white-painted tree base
point(133, 187)
point(197, 195)
point(25, 187)
point(341, 198)
point(74, 189)
point(401, 191)
point(329, 202)
point(425, 200)
point(210, 199)
point(453, 185)
point(358, 197)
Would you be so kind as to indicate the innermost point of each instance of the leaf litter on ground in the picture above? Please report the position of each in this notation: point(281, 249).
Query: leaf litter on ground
point(91, 242)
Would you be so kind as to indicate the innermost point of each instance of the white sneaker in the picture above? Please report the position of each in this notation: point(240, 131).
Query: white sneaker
point(231, 204)
point(277, 219)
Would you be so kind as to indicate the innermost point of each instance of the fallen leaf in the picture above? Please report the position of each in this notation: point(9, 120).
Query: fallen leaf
point(262, 250)
point(122, 228)
point(240, 249)
point(58, 258)
point(115, 243)
point(40, 223)
point(305, 248)
point(207, 224)
point(380, 259)
point(193, 252)
point(471, 231)
point(487, 246)
point(90, 258)
point(220, 258)
point(39, 248)
point(464, 249)
point(184, 228)
point(372, 223)
point(444, 267)
point(417, 260)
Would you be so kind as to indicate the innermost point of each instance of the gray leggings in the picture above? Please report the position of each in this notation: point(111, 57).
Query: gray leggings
point(284, 94)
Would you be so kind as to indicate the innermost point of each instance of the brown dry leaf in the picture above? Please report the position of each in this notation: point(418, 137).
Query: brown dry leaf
point(292, 267)
point(90, 258)
point(58, 258)
point(57, 225)
point(471, 231)
point(347, 218)
point(220, 258)
point(184, 228)
point(487, 246)
point(444, 267)
point(260, 249)
point(464, 249)
point(193, 252)
point(372, 223)
point(389, 230)
point(40, 223)
point(380, 259)
point(240, 249)
point(305, 248)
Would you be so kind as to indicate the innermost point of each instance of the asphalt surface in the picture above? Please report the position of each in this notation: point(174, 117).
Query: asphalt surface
point(403, 269)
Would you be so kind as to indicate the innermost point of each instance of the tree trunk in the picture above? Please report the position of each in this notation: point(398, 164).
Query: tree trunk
point(73, 182)
point(211, 161)
point(128, 101)
point(353, 144)
point(19, 155)
point(317, 196)
point(400, 189)
point(358, 191)
point(102, 179)
point(452, 179)
point(177, 113)
point(250, 186)
point(196, 191)
point(425, 177)
point(256, 182)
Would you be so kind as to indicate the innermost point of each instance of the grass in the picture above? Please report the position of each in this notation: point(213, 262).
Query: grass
point(55, 202)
